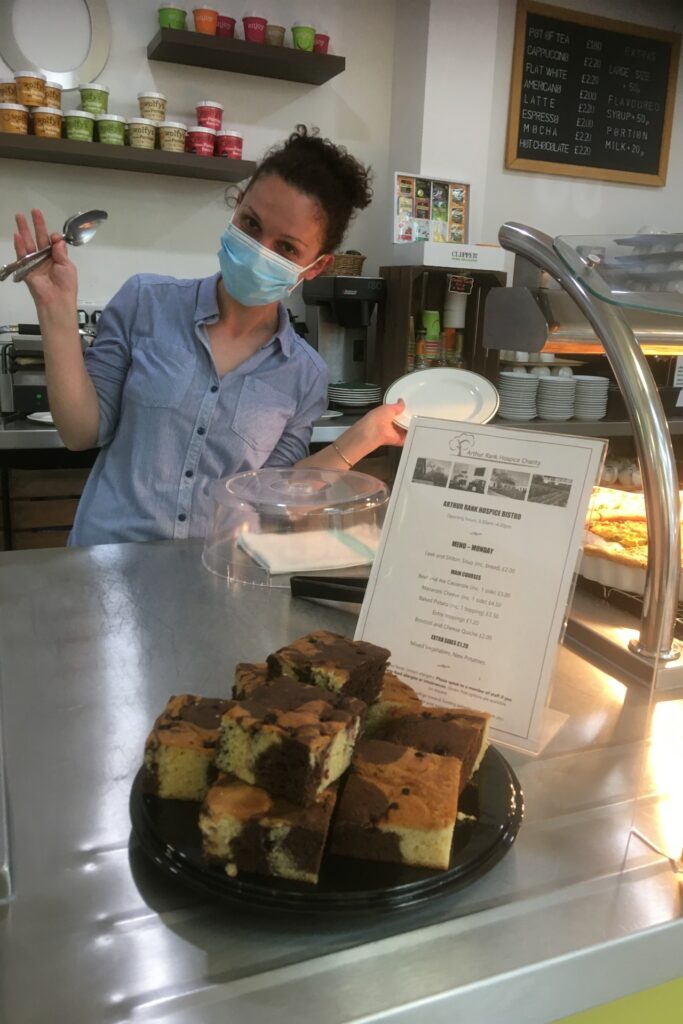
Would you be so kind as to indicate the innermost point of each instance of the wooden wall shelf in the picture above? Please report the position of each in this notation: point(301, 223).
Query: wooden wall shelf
point(283, 62)
point(123, 158)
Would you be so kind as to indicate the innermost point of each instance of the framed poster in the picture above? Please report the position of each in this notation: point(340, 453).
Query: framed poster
point(590, 97)
point(430, 209)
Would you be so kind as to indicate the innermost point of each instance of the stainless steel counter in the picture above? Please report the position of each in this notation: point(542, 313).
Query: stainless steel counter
point(93, 641)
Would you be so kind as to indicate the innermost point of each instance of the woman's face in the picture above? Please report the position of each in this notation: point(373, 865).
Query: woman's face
point(284, 220)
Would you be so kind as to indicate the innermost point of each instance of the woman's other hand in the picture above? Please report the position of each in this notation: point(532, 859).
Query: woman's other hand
point(55, 282)
point(379, 427)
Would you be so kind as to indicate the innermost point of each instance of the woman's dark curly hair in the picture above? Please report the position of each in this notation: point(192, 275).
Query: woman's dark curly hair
point(323, 171)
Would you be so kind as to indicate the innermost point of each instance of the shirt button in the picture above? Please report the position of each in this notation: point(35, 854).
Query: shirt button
point(189, 473)
point(182, 517)
point(201, 430)
point(214, 388)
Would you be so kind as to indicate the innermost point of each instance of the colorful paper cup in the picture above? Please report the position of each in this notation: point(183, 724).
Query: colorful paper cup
point(254, 28)
point(303, 37)
point(275, 35)
point(205, 20)
point(171, 16)
point(225, 26)
point(321, 42)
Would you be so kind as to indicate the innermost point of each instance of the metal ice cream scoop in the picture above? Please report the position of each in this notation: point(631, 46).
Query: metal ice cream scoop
point(77, 230)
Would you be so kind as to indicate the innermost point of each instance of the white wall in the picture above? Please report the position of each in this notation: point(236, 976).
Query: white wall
point(171, 225)
point(577, 206)
point(427, 82)
point(463, 121)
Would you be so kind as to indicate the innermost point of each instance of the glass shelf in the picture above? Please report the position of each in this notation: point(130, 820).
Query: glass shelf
point(643, 271)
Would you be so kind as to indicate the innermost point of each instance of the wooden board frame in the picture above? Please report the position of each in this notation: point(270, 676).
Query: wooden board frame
point(516, 163)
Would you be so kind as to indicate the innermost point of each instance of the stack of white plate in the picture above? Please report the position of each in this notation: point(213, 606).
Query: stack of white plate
point(517, 395)
point(591, 397)
point(556, 398)
point(354, 393)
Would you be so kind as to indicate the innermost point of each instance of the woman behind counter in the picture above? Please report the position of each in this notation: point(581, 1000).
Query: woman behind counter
point(192, 380)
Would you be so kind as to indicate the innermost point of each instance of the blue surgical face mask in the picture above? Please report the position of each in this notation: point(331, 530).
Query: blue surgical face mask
point(253, 274)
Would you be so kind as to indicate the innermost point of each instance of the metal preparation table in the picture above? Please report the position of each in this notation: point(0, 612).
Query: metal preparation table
point(92, 643)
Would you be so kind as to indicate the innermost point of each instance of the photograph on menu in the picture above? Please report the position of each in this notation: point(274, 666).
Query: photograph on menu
point(434, 472)
point(549, 490)
point(468, 477)
point(509, 483)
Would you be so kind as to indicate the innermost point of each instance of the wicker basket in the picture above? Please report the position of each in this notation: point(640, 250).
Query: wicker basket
point(346, 264)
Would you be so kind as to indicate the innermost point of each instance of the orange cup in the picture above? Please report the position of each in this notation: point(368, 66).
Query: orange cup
point(205, 20)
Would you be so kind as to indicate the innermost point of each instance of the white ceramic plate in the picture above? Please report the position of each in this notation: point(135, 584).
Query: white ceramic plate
point(330, 414)
point(40, 417)
point(445, 393)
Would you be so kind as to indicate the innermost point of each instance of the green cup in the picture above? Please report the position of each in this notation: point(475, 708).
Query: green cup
point(303, 37)
point(111, 129)
point(94, 98)
point(431, 323)
point(171, 16)
point(79, 125)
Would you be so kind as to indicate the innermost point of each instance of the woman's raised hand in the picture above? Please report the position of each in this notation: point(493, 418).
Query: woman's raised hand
point(55, 282)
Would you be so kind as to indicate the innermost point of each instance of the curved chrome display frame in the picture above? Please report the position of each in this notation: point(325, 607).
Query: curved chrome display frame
point(650, 431)
point(95, 61)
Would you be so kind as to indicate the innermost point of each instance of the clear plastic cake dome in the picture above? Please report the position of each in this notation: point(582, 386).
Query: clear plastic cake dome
point(270, 523)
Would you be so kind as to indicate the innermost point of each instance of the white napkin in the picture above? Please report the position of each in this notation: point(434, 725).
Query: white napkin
point(312, 549)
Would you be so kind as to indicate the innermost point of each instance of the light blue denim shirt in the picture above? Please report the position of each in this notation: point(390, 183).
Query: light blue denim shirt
point(170, 426)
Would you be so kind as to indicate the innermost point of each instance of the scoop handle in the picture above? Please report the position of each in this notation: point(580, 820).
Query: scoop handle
point(20, 268)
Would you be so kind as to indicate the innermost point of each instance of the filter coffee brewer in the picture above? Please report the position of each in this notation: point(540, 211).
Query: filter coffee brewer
point(338, 314)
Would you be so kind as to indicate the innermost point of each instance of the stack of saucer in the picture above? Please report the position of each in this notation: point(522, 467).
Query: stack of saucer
point(556, 398)
point(517, 395)
point(353, 393)
point(591, 397)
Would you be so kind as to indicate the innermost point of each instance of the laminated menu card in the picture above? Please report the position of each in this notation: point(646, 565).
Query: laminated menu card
point(476, 564)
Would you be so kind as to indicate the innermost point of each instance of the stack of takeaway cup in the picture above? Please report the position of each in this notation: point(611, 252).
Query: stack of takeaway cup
point(591, 397)
point(517, 392)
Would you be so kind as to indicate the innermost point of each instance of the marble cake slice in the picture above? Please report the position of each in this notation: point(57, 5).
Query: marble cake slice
point(248, 677)
point(180, 749)
point(352, 667)
point(398, 804)
point(448, 732)
point(290, 738)
point(394, 695)
point(245, 829)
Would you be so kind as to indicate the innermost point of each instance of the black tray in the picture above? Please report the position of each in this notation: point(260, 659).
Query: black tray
point(167, 831)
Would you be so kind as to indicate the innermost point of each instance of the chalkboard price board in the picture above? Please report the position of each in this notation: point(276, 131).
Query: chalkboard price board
point(590, 97)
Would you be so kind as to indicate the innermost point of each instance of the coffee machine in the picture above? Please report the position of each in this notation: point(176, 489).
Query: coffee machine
point(338, 314)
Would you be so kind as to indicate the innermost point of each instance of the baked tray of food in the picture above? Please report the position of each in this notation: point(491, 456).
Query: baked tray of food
point(323, 784)
point(490, 814)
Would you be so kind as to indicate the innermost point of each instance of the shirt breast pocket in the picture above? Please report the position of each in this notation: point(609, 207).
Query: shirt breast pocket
point(261, 415)
point(158, 378)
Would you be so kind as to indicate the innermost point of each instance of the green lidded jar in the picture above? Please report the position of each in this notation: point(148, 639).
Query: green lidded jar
point(111, 129)
point(94, 98)
point(79, 125)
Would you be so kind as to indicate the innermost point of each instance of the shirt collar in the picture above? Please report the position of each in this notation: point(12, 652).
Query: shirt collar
point(206, 311)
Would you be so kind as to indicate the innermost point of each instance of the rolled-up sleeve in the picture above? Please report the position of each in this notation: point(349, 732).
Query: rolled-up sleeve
point(295, 439)
point(108, 359)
